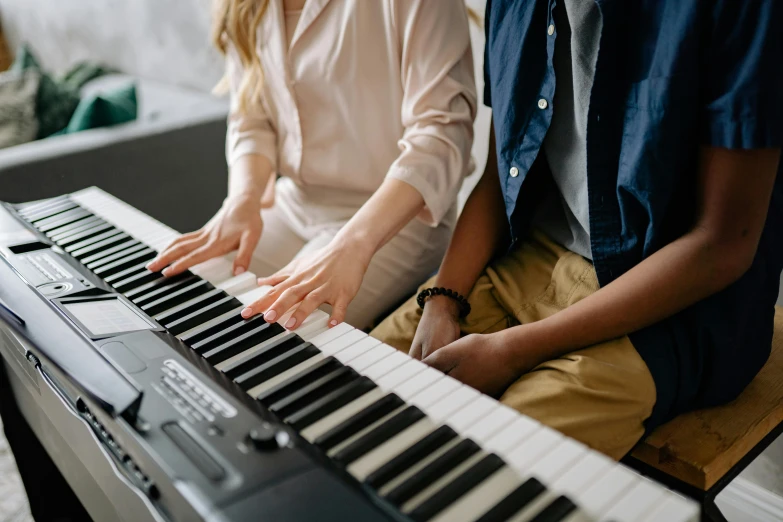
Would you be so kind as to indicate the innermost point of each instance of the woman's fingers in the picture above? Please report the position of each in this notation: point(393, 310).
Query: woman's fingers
point(308, 305)
point(197, 256)
point(290, 297)
point(273, 280)
point(176, 249)
point(247, 244)
point(339, 309)
point(262, 305)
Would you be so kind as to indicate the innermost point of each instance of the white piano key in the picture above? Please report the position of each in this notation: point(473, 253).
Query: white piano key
point(335, 418)
point(251, 296)
point(491, 424)
point(416, 468)
point(451, 403)
point(370, 357)
point(238, 285)
point(385, 365)
point(478, 409)
point(605, 491)
point(638, 503)
point(357, 349)
point(382, 454)
point(528, 450)
point(246, 355)
point(331, 334)
point(507, 437)
point(212, 322)
point(547, 468)
point(482, 498)
point(342, 342)
point(274, 381)
point(401, 373)
point(418, 382)
point(438, 484)
point(674, 508)
point(350, 440)
point(436, 391)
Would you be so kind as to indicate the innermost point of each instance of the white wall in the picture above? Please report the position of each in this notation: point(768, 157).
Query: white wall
point(164, 40)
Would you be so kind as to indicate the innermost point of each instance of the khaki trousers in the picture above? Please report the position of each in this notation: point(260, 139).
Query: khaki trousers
point(600, 395)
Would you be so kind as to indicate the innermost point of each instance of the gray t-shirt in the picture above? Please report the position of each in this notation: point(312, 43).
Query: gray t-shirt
point(564, 216)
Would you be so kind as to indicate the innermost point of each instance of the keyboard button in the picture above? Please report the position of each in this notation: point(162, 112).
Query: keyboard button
point(202, 315)
point(329, 403)
point(361, 420)
point(169, 301)
point(514, 501)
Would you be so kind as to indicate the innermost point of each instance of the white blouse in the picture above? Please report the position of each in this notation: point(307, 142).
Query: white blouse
point(366, 89)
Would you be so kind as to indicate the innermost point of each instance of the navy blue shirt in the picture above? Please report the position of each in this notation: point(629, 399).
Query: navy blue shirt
point(671, 76)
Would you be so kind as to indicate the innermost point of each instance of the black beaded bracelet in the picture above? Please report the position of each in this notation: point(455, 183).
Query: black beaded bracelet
point(464, 305)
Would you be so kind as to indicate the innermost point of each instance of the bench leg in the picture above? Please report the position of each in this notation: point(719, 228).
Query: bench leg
point(710, 511)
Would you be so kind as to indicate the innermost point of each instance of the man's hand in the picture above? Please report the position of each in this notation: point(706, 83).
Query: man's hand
point(481, 361)
point(438, 327)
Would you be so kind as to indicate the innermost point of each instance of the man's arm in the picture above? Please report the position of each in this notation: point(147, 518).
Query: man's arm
point(734, 191)
point(481, 231)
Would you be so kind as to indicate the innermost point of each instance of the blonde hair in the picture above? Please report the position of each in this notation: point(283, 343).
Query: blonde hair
point(236, 21)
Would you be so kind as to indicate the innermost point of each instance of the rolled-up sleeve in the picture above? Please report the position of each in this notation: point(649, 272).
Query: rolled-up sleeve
point(744, 75)
point(250, 132)
point(439, 102)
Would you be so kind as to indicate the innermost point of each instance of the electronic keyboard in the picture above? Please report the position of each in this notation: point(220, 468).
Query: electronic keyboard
point(159, 402)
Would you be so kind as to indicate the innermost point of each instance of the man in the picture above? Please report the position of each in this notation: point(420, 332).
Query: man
point(621, 254)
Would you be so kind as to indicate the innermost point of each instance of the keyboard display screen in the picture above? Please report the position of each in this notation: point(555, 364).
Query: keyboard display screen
point(107, 316)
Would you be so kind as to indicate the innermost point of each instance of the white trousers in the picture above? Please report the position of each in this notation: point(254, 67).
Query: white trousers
point(297, 225)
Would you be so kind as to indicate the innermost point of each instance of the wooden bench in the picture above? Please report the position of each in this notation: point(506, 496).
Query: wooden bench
point(701, 452)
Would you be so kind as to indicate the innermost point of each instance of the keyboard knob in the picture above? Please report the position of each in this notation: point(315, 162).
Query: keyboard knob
point(264, 437)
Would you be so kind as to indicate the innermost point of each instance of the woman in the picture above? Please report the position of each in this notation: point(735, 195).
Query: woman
point(366, 111)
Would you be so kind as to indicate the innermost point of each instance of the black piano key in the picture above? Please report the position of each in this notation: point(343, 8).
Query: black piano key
point(93, 231)
point(276, 366)
point(261, 333)
point(59, 220)
point(114, 256)
point(432, 472)
point(111, 250)
point(350, 427)
point(46, 209)
point(455, 489)
point(296, 382)
point(231, 331)
point(173, 299)
point(97, 243)
point(269, 350)
point(148, 293)
point(213, 326)
point(558, 510)
point(514, 501)
point(329, 403)
point(121, 264)
point(191, 305)
point(202, 315)
point(415, 453)
point(142, 277)
point(122, 274)
point(379, 435)
point(74, 228)
point(313, 391)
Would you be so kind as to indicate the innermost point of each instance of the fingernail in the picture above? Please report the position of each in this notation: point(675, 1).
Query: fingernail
point(291, 323)
point(247, 312)
point(333, 322)
point(166, 272)
point(239, 270)
point(270, 316)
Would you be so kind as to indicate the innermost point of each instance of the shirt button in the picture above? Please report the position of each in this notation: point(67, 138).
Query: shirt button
point(514, 172)
point(542, 104)
point(551, 30)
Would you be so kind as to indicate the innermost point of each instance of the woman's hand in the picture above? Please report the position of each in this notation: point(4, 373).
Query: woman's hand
point(482, 361)
point(330, 275)
point(439, 326)
point(236, 226)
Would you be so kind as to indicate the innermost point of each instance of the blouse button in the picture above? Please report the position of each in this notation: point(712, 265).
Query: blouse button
point(514, 172)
